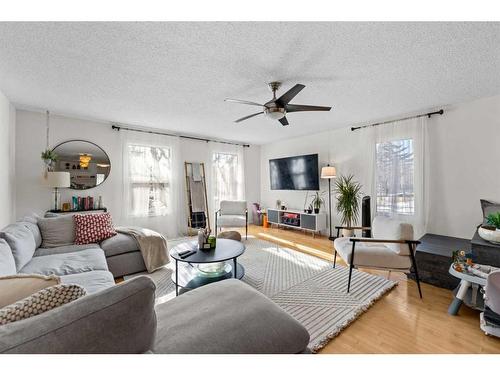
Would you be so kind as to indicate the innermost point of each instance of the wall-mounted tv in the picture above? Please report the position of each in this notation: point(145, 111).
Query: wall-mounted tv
point(295, 173)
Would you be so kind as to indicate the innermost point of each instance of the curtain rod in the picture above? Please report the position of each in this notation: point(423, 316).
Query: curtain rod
point(429, 114)
point(118, 128)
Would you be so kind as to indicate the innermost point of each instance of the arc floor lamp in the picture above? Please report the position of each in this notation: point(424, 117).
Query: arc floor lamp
point(328, 173)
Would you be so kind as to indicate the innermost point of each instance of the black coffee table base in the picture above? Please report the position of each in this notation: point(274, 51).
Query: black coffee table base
point(187, 276)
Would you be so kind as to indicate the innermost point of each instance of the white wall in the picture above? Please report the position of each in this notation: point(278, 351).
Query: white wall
point(7, 174)
point(33, 196)
point(464, 154)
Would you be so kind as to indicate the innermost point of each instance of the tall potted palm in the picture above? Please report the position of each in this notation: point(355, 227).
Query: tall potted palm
point(348, 195)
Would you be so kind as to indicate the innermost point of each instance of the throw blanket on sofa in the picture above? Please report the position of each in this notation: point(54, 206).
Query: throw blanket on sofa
point(152, 244)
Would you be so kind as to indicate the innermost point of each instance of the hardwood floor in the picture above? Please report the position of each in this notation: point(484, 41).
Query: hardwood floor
point(400, 322)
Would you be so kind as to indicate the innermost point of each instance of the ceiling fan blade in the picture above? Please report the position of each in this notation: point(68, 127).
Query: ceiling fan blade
point(290, 94)
point(283, 121)
point(247, 117)
point(242, 102)
point(301, 108)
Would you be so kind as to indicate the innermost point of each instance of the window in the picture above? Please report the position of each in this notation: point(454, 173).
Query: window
point(149, 169)
point(225, 177)
point(394, 177)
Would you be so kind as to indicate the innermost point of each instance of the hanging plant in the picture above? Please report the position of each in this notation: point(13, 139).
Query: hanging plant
point(49, 157)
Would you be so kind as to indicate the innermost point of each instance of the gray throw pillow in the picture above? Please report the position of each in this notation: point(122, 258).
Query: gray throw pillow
point(57, 231)
point(7, 263)
point(21, 241)
point(489, 208)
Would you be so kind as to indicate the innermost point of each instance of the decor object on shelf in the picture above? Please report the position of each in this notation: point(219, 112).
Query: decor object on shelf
point(489, 233)
point(318, 201)
point(87, 163)
point(57, 180)
point(328, 173)
point(392, 248)
point(488, 207)
point(348, 194)
point(232, 214)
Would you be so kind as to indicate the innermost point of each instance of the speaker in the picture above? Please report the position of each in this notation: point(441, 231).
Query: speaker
point(366, 217)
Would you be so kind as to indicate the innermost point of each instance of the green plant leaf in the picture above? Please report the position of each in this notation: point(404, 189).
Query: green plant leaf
point(348, 195)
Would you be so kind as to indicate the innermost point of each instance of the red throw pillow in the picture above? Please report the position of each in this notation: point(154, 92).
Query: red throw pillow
point(93, 228)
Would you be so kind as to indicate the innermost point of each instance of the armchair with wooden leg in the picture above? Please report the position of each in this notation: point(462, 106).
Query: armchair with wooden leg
point(392, 248)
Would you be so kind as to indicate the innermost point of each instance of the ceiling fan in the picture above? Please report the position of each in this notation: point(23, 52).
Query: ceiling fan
point(277, 108)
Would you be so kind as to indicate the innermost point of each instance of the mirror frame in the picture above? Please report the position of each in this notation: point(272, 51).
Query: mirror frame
point(92, 143)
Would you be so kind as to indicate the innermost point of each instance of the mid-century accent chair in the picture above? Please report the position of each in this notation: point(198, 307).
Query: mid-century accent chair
point(232, 214)
point(392, 248)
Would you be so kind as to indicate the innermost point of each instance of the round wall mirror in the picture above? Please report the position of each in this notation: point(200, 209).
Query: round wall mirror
point(87, 163)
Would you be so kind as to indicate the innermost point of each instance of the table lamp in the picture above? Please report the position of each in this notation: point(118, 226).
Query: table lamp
point(328, 173)
point(58, 180)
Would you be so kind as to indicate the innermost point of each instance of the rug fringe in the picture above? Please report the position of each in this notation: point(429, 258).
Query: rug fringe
point(329, 337)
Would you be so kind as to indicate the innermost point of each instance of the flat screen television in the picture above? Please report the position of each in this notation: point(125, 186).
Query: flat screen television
point(295, 173)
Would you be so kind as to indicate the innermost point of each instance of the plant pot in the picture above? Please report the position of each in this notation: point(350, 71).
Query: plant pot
point(490, 235)
point(347, 232)
point(316, 210)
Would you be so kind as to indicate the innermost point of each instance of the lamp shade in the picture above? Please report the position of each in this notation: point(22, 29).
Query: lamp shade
point(328, 172)
point(58, 179)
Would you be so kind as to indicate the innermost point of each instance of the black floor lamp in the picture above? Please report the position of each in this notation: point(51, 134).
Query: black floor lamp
point(328, 173)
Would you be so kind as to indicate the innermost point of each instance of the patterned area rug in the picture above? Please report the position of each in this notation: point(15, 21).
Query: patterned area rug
point(308, 288)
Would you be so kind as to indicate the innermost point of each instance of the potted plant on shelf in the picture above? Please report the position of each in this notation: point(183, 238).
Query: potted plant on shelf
point(348, 194)
point(317, 201)
point(494, 220)
point(491, 231)
point(49, 157)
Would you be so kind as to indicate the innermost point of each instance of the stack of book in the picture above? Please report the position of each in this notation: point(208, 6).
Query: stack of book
point(82, 203)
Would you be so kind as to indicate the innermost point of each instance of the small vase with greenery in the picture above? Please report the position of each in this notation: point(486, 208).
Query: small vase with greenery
point(318, 201)
point(348, 195)
point(494, 220)
point(49, 157)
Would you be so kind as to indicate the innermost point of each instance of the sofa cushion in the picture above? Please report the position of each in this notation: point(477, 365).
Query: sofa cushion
point(390, 229)
point(67, 264)
point(92, 282)
point(16, 287)
point(489, 208)
point(119, 244)
point(371, 255)
point(39, 302)
point(231, 221)
point(7, 263)
point(229, 317)
point(33, 227)
point(57, 231)
point(93, 228)
point(42, 251)
point(21, 242)
point(120, 319)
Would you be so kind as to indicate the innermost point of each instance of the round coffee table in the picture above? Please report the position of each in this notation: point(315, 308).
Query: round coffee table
point(188, 276)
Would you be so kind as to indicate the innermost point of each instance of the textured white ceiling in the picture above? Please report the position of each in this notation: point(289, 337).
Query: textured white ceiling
point(175, 76)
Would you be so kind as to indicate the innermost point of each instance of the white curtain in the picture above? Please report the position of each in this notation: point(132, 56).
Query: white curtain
point(153, 183)
point(396, 160)
point(227, 173)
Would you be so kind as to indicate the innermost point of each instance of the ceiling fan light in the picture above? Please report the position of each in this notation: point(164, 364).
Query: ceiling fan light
point(275, 113)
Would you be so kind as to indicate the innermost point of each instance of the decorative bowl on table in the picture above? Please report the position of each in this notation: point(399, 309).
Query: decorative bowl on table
point(213, 269)
point(490, 234)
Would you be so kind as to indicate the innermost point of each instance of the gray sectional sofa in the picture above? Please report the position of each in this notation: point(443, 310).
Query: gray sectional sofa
point(224, 317)
point(93, 266)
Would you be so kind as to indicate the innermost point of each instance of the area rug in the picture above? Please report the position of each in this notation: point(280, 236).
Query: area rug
point(308, 288)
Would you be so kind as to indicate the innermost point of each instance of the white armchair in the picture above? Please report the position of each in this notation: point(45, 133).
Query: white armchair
point(391, 248)
point(232, 214)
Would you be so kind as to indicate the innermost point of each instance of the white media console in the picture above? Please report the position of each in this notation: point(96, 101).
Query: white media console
point(309, 222)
